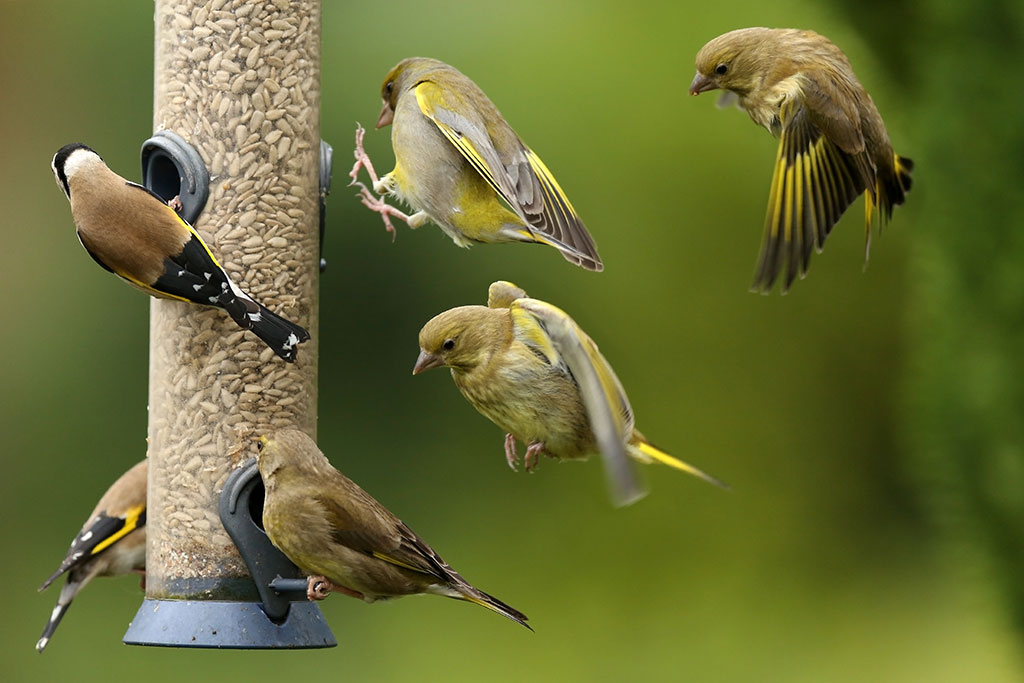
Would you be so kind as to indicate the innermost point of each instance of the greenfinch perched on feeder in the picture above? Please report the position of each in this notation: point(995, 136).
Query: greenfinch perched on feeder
point(343, 538)
point(134, 234)
point(459, 164)
point(111, 543)
point(529, 368)
point(833, 147)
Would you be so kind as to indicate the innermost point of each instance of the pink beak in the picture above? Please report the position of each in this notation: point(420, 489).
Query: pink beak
point(387, 115)
point(426, 361)
point(701, 83)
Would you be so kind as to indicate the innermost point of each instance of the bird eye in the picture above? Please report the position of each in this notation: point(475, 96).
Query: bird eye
point(448, 345)
point(259, 445)
point(389, 87)
point(721, 69)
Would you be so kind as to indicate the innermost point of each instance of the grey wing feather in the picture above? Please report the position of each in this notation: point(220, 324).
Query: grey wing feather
point(608, 409)
point(524, 183)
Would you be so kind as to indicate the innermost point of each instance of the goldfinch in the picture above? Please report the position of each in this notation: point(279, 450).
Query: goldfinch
point(343, 538)
point(132, 233)
point(111, 543)
point(529, 368)
point(833, 147)
point(460, 165)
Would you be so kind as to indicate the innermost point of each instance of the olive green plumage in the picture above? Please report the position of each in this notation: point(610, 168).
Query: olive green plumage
point(834, 145)
point(458, 163)
point(529, 368)
point(331, 528)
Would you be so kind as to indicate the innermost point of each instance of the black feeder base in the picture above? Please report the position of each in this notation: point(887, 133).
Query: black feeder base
point(227, 625)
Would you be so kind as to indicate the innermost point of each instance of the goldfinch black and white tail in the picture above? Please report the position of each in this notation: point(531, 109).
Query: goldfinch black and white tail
point(194, 275)
point(111, 543)
point(134, 234)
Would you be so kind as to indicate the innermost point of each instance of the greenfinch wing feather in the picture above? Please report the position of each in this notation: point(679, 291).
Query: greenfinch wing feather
point(813, 183)
point(380, 534)
point(608, 409)
point(834, 113)
point(513, 170)
point(360, 528)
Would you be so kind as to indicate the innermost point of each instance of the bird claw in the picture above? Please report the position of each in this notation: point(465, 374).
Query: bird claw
point(362, 160)
point(530, 459)
point(371, 201)
point(175, 204)
point(318, 588)
point(510, 452)
point(378, 205)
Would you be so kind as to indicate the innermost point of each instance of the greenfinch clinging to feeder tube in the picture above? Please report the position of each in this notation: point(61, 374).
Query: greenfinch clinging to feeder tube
point(529, 368)
point(134, 234)
point(111, 543)
point(833, 147)
point(459, 164)
point(343, 538)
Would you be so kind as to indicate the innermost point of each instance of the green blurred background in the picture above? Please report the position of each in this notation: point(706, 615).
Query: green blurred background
point(869, 422)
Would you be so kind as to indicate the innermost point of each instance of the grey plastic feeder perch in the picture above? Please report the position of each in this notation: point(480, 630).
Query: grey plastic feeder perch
point(173, 168)
point(326, 168)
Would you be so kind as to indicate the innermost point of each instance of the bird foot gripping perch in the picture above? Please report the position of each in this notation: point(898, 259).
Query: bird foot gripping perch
point(280, 618)
point(318, 588)
point(369, 199)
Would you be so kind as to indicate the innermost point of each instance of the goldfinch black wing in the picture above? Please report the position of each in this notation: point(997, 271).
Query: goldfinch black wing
point(107, 545)
point(513, 170)
point(100, 533)
point(195, 275)
point(551, 332)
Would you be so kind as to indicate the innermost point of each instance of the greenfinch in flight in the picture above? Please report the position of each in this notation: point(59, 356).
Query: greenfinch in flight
point(833, 147)
point(459, 164)
point(530, 369)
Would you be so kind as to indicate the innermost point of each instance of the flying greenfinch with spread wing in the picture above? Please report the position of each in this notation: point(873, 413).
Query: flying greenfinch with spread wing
point(112, 542)
point(833, 143)
point(460, 165)
point(343, 538)
point(529, 368)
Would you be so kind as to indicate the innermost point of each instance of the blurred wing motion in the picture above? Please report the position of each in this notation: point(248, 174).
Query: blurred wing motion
point(561, 340)
point(522, 181)
point(821, 168)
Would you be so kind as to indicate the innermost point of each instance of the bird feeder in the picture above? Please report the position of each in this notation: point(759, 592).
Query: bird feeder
point(237, 94)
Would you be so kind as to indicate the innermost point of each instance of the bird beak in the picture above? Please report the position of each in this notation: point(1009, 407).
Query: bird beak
point(701, 83)
point(387, 115)
point(426, 361)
